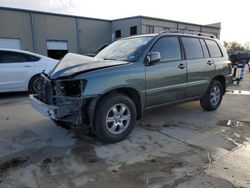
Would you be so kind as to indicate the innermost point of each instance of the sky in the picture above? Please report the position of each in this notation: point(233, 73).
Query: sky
point(234, 15)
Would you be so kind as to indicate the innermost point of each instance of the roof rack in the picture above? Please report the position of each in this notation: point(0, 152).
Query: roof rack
point(188, 32)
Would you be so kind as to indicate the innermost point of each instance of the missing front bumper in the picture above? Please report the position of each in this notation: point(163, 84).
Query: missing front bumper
point(73, 111)
point(49, 111)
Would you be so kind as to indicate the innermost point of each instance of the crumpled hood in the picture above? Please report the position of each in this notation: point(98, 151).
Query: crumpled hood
point(73, 64)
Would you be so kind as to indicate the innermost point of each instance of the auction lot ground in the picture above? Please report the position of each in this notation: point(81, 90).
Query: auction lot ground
point(178, 146)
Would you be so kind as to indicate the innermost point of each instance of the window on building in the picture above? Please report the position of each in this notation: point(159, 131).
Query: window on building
point(118, 34)
point(149, 29)
point(133, 30)
point(192, 48)
point(213, 48)
point(165, 28)
point(169, 48)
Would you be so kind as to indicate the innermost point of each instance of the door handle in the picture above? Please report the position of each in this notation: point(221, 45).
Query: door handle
point(26, 65)
point(209, 62)
point(181, 66)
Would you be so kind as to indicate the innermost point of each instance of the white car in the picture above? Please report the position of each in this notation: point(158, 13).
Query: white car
point(20, 70)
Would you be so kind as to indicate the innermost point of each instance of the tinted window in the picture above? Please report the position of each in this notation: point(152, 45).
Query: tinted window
point(213, 48)
point(133, 30)
point(31, 58)
point(15, 57)
point(192, 48)
point(118, 34)
point(169, 48)
point(204, 47)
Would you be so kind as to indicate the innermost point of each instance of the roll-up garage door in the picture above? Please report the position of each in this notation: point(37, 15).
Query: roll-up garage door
point(57, 49)
point(10, 43)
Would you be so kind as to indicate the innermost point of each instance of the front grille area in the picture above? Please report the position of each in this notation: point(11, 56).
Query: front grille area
point(46, 91)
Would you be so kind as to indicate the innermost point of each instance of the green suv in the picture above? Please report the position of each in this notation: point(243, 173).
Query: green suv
point(108, 92)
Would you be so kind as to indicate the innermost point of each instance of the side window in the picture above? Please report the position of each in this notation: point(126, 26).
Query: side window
point(192, 48)
point(213, 48)
point(169, 48)
point(31, 58)
point(15, 57)
point(12, 57)
point(204, 47)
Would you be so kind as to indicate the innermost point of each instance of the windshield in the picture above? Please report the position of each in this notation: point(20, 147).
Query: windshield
point(125, 49)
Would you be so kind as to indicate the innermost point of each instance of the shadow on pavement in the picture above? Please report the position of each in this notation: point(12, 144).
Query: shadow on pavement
point(14, 95)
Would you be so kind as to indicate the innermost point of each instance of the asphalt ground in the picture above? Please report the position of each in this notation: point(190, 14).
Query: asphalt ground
point(172, 146)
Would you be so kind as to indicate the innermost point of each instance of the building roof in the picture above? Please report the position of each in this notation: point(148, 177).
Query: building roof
point(213, 25)
point(51, 13)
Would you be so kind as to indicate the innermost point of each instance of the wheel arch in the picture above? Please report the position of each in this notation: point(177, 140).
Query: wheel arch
point(222, 80)
point(132, 93)
point(29, 82)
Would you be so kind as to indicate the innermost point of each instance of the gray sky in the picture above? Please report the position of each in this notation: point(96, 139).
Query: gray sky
point(234, 15)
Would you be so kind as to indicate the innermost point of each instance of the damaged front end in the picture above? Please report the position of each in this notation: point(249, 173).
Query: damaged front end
point(62, 100)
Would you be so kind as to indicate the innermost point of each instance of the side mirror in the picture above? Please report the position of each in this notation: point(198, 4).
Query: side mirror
point(153, 57)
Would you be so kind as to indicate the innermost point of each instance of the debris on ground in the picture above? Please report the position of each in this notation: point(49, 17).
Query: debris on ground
point(12, 163)
point(85, 153)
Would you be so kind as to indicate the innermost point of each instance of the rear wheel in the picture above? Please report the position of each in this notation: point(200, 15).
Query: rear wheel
point(115, 118)
point(212, 98)
point(34, 84)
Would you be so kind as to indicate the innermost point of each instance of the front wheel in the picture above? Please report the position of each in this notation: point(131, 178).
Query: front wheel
point(115, 118)
point(35, 84)
point(212, 98)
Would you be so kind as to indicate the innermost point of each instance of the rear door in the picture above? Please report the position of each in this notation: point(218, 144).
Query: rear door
point(214, 51)
point(15, 70)
point(200, 66)
point(166, 80)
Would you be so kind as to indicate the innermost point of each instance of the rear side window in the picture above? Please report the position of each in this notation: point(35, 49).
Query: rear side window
point(15, 57)
point(192, 48)
point(31, 58)
point(169, 48)
point(204, 47)
point(213, 48)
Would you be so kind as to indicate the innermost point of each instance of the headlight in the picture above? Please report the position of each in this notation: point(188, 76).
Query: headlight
point(72, 88)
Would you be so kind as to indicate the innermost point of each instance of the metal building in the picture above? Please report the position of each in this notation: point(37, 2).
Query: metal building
point(56, 34)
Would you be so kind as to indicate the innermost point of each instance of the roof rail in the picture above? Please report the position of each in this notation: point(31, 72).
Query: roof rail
point(188, 32)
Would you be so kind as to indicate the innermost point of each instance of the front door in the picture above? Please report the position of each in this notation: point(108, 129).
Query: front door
point(166, 80)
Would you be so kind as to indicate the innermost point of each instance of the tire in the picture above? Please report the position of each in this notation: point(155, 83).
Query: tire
point(114, 118)
point(212, 98)
point(34, 84)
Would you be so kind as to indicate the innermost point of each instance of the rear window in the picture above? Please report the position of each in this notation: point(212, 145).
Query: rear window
point(213, 48)
point(192, 48)
point(16, 57)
